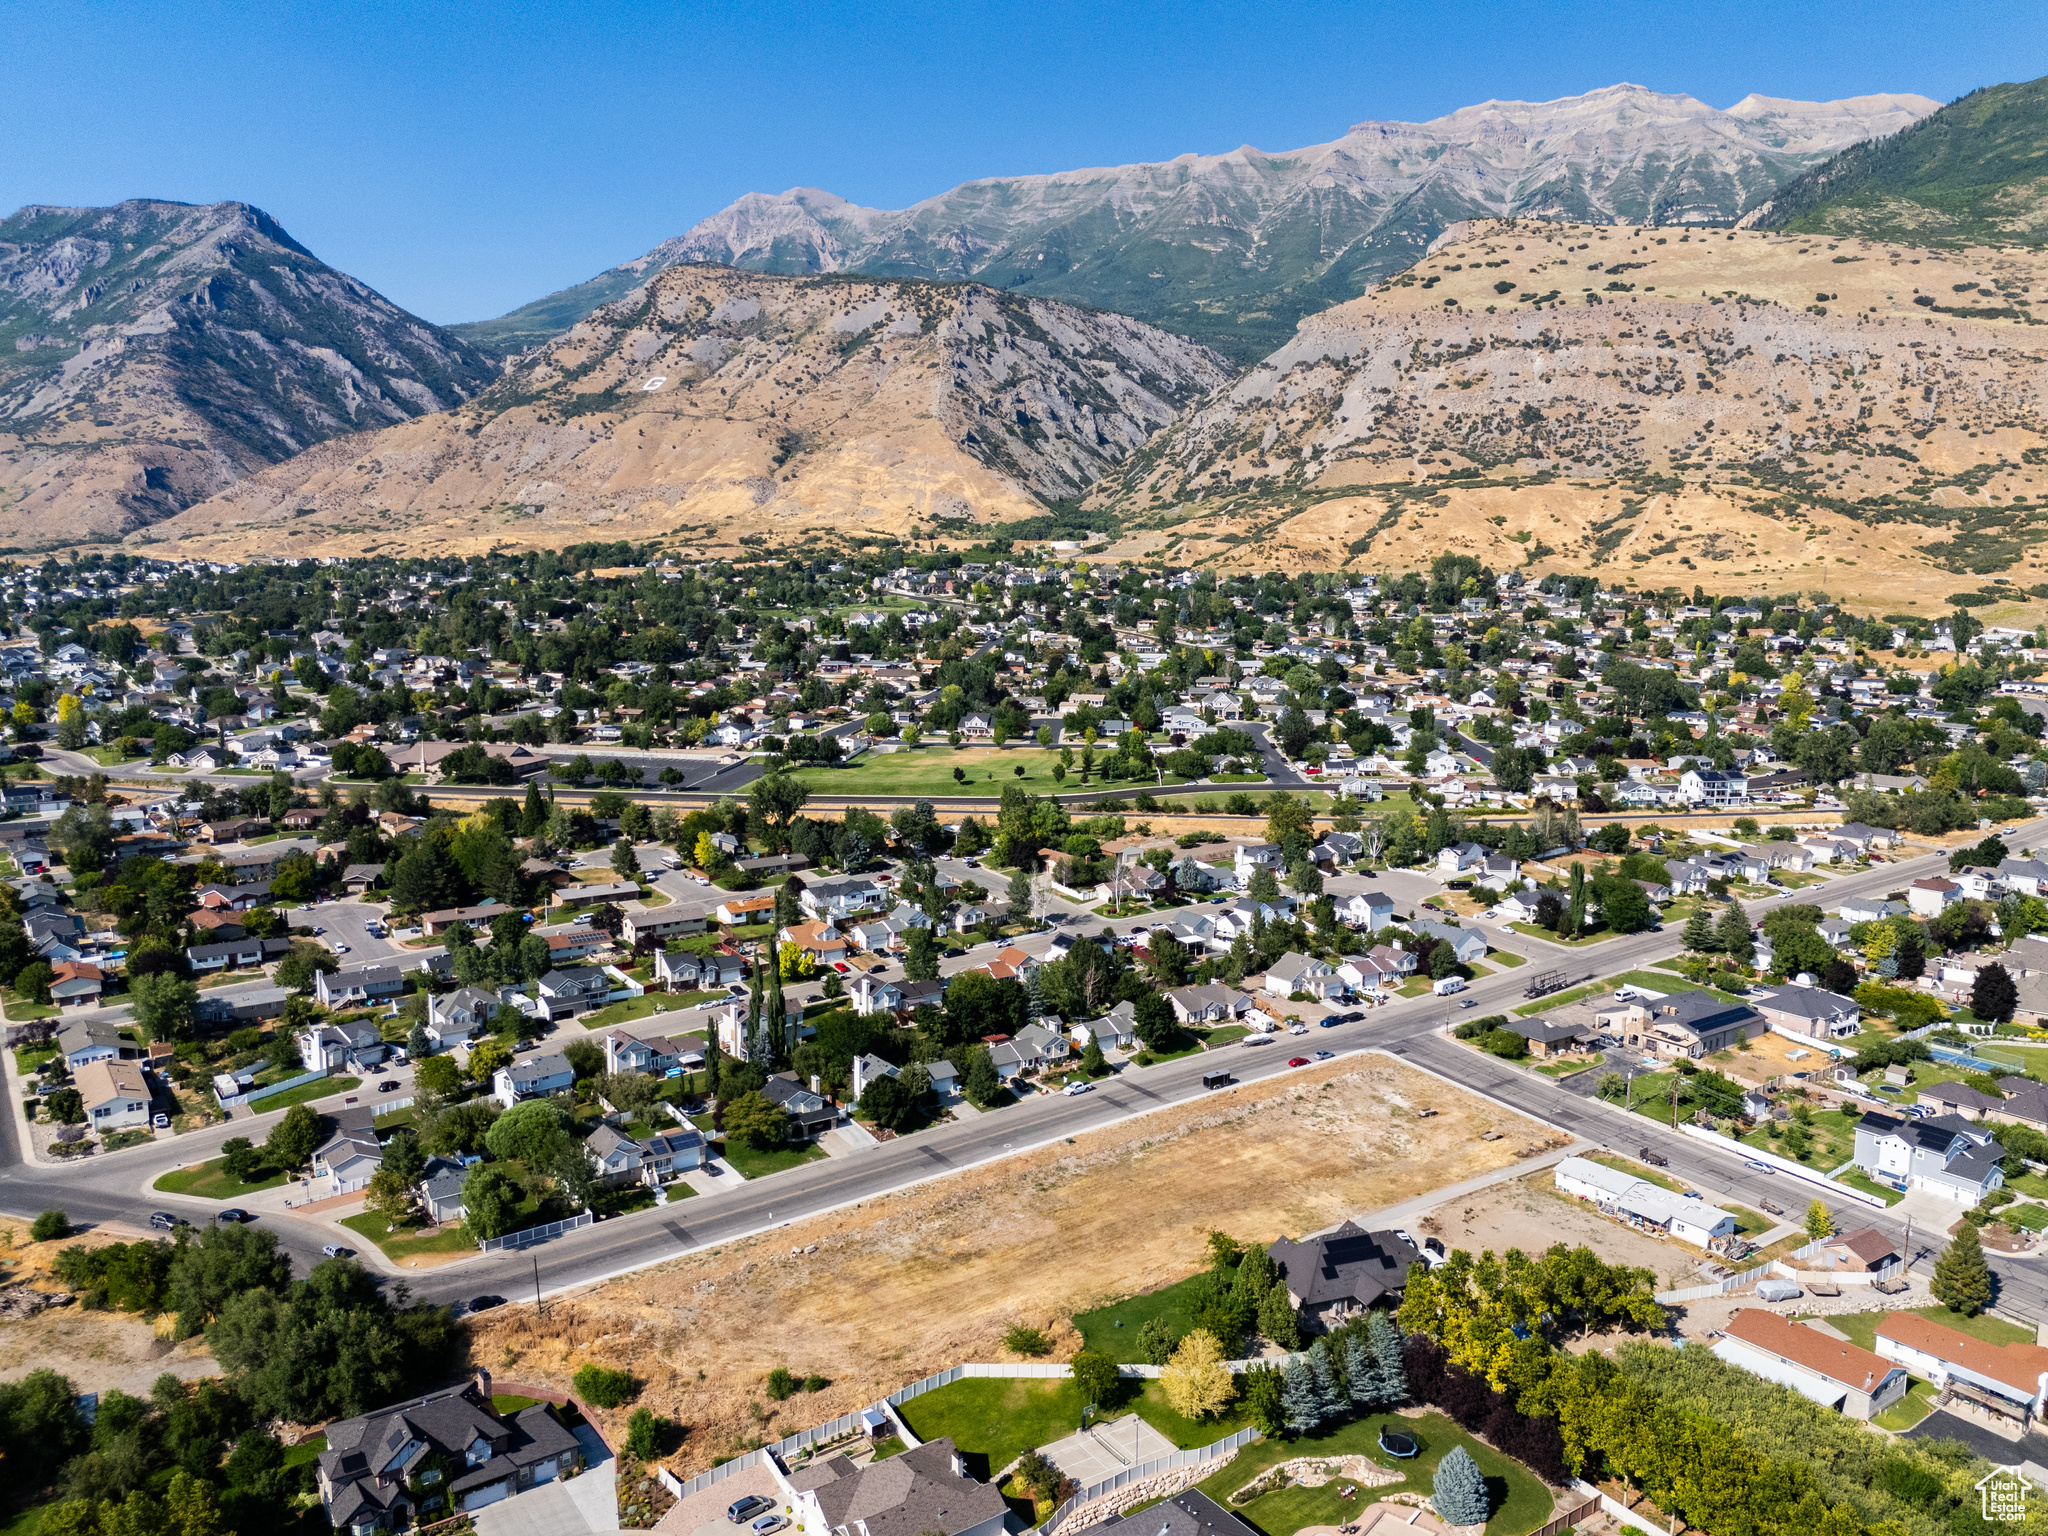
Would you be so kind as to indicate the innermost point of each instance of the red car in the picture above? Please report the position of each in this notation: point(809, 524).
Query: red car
point(842, 967)
point(1297, 1061)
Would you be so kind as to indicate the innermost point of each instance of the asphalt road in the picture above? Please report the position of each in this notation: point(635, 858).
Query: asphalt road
point(110, 1188)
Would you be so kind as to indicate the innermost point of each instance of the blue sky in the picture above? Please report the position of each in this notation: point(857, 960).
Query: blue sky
point(465, 158)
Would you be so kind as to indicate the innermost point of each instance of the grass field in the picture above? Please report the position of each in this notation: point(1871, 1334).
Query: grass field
point(304, 1093)
point(1520, 1501)
point(642, 1007)
point(928, 770)
point(1861, 1327)
point(1113, 1330)
point(212, 1181)
point(998, 1419)
point(406, 1244)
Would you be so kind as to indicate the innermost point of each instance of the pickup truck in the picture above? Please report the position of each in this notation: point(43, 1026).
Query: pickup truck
point(1654, 1159)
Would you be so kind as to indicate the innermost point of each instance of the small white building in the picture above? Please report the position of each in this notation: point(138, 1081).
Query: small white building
point(1643, 1204)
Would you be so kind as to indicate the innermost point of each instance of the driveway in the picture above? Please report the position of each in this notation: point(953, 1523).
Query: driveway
point(587, 1502)
point(703, 1512)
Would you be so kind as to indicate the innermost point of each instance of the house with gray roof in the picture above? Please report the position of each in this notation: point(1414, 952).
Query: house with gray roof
point(1342, 1273)
point(1945, 1155)
point(446, 1453)
point(531, 1077)
point(921, 1492)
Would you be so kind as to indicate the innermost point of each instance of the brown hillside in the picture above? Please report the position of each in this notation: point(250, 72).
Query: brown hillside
point(1740, 409)
point(717, 404)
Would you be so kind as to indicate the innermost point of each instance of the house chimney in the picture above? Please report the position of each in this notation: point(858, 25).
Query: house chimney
point(483, 1384)
point(816, 1086)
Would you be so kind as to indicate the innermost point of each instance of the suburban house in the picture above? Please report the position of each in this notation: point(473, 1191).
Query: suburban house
point(738, 912)
point(1690, 1024)
point(595, 895)
point(1343, 1273)
point(536, 1075)
point(619, 1159)
point(625, 1051)
point(1467, 944)
point(348, 1157)
point(434, 924)
point(1944, 1154)
point(115, 1094)
point(562, 994)
point(871, 994)
point(1712, 786)
point(1210, 1004)
point(1814, 1012)
point(330, 1047)
point(1643, 1204)
point(458, 1015)
point(1553, 1034)
point(810, 1116)
point(1293, 973)
point(385, 1471)
point(2008, 1379)
point(355, 986)
point(1194, 1513)
point(1926, 898)
point(233, 954)
point(663, 923)
point(867, 1068)
point(76, 984)
point(921, 1492)
point(1369, 910)
point(440, 1187)
point(85, 1040)
point(1456, 858)
point(1831, 1371)
point(1864, 1251)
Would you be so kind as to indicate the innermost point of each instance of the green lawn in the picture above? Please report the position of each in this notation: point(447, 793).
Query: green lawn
point(637, 1008)
point(211, 1181)
point(510, 1402)
point(1653, 980)
point(998, 1418)
point(405, 1243)
point(1861, 1327)
point(1507, 960)
point(27, 1522)
point(319, 1089)
point(928, 770)
point(1856, 1178)
point(1910, 1409)
point(1520, 1501)
point(305, 1452)
point(2027, 1216)
point(1596, 937)
point(1113, 1330)
point(754, 1163)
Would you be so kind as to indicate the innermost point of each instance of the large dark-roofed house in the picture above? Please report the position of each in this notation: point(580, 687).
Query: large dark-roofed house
point(422, 1460)
point(922, 1492)
point(1342, 1273)
point(1184, 1514)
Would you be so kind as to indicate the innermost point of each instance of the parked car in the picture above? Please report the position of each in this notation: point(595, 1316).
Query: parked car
point(1326, 1055)
point(389, 1085)
point(485, 1303)
point(1077, 1088)
point(164, 1221)
point(234, 1215)
point(336, 1251)
point(160, 1121)
point(767, 1525)
point(752, 1504)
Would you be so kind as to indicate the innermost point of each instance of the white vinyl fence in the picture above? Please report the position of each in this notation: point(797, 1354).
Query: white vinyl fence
point(534, 1235)
point(1221, 1450)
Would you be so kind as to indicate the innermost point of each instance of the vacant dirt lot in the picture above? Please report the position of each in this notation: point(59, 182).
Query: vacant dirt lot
point(1531, 1214)
point(915, 1282)
point(97, 1350)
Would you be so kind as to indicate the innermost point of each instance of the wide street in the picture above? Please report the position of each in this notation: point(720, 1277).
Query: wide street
point(115, 1188)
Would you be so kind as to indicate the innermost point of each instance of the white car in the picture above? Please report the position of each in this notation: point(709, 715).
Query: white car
point(1077, 1088)
point(341, 949)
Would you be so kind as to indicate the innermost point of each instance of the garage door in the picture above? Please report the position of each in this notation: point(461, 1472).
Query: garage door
point(477, 1498)
point(543, 1472)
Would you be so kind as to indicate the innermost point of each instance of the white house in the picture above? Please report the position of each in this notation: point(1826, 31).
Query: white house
point(1643, 1204)
point(1928, 897)
point(536, 1075)
point(1293, 973)
point(2013, 1376)
point(1367, 910)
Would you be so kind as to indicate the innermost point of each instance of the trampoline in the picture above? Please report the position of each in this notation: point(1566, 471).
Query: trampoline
point(1398, 1446)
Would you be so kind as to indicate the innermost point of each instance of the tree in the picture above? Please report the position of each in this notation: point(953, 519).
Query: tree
point(755, 1121)
point(392, 1197)
point(1390, 1378)
point(532, 1132)
point(1019, 897)
point(33, 980)
point(240, 1159)
point(887, 1102)
point(920, 955)
point(1699, 931)
point(1157, 1341)
point(486, 1056)
point(1962, 1280)
point(1277, 1319)
point(1195, 1380)
point(625, 862)
point(1328, 1394)
point(1100, 1381)
point(1733, 933)
point(438, 1075)
point(490, 1202)
point(776, 798)
point(1262, 1399)
point(1092, 1065)
point(1300, 1403)
point(216, 1266)
point(49, 1226)
point(1994, 996)
point(644, 1434)
point(66, 1106)
point(1819, 1223)
point(983, 1084)
point(293, 1139)
point(1459, 1494)
point(164, 1005)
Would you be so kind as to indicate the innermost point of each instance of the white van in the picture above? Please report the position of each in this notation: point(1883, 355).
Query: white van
point(1449, 985)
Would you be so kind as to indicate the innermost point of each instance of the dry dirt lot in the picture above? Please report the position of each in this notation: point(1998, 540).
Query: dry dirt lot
point(915, 1282)
point(97, 1350)
point(1531, 1214)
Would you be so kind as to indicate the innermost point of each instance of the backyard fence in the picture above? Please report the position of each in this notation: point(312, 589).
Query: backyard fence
point(534, 1235)
point(235, 1100)
point(1221, 1450)
point(1569, 1520)
point(1949, 1056)
point(1780, 1268)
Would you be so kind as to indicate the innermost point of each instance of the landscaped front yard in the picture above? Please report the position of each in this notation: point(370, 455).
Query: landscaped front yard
point(408, 1242)
point(211, 1181)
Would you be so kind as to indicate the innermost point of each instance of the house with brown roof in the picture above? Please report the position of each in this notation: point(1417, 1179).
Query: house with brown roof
point(1831, 1371)
point(115, 1094)
point(2010, 1379)
point(1867, 1251)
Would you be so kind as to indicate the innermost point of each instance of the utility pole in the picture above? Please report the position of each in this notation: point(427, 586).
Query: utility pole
point(538, 1308)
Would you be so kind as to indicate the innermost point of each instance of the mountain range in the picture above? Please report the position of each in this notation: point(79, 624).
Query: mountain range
point(153, 353)
point(1234, 249)
point(712, 406)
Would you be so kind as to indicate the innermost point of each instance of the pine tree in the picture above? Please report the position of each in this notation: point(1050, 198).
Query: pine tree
point(1733, 931)
point(1300, 1399)
point(1361, 1372)
point(1459, 1496)
point(1330, 1397)
point(1277, 1320)
point(1575, 904)
point(533, 815)
point(1962, 1280)
point(1699, 931)
point(1254, 1278)
point(1391, 1380)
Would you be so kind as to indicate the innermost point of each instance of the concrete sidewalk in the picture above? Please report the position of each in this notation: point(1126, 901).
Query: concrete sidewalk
point(1422, 1205)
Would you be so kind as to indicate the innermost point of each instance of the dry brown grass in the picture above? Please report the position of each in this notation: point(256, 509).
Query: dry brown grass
point(911, 1283)
point(96, 1350)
